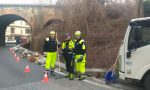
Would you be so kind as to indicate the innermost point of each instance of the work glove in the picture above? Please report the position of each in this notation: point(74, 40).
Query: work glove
point(80, 59)
point(61, 54)
point(58, 44)
point(45, 54)
point(70, 52)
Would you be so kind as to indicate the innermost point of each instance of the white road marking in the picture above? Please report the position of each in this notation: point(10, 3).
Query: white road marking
point(94, 83)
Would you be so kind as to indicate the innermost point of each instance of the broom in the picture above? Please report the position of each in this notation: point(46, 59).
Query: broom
point(58, 54)
point(110, 74)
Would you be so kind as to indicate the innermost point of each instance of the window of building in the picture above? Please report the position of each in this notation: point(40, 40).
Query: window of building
point(12, 30)
point(27, 31)
point(21, 23)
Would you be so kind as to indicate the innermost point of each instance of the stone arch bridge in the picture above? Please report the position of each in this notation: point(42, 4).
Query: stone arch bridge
point(37, 16)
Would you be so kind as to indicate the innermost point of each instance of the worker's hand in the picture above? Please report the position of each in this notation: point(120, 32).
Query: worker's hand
point(47, 39)
point(76, 61)
point(70, 52)
point(45, 54)
point(61, 54)
point(80, 59)
point(74, 54)
point(58, 44)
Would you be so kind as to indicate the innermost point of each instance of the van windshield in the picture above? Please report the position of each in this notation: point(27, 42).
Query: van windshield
point(143, 35)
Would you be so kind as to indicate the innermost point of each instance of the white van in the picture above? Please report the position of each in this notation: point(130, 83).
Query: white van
point(9, 41)
point(134, 54)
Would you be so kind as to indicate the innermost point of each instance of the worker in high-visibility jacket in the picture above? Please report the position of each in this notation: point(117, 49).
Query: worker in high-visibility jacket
point(50, 47)
point(80, 56)
point(67, 52)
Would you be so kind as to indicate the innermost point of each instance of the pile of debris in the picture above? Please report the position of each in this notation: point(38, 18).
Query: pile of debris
point(29, 55)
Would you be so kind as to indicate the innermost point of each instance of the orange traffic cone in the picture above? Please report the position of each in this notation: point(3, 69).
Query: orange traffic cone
point(17, 59)
point(45, 79)
point(27, 69)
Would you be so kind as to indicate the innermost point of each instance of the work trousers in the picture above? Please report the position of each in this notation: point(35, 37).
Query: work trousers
point(69, 59)
point(80, 66)
point(50, 60)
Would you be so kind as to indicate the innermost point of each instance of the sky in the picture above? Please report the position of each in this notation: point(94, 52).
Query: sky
point(27, 1)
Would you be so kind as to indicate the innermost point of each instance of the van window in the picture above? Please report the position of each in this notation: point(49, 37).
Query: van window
point(131, 40)
point(144, 38)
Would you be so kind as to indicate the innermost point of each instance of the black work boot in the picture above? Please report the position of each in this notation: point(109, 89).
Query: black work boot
point(76, 75)
point(71, 77)
point(46, 72)
point(81, 77)
point(52, 73)
point(68, 75)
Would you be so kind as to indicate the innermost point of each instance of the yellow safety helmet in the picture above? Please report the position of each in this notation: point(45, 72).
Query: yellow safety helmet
point(52, 32)
point(77, 33)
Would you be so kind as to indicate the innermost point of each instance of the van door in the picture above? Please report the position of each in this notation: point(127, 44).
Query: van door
point(138, 51)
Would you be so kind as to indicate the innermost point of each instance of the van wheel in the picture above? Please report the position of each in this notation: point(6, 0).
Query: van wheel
point(147, 82)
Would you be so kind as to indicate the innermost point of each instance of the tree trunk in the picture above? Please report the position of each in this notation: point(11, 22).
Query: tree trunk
point(139, 8)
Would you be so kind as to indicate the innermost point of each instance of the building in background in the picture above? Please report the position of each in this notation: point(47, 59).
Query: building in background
point(17, 30)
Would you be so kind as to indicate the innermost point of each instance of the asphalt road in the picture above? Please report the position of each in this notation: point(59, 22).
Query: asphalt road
point(13, 77)
point(12, 72)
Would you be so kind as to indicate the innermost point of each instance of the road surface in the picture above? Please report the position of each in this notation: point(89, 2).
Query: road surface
point(12, 77)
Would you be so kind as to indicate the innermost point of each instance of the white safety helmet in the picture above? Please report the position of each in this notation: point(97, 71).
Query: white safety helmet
point(78, 33)
point(52, 33)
